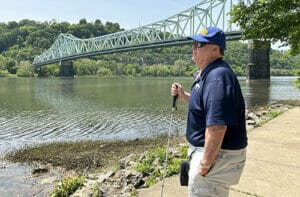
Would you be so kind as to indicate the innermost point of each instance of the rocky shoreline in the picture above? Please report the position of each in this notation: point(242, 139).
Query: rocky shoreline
point(260, 116)
point(114, 174)
point(125, 182)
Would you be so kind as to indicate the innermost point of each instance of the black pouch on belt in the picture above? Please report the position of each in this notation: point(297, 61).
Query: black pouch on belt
point(184, 173)
point(184, 170)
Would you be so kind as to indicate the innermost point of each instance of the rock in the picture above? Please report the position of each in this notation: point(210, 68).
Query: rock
point(143, 156)
point(252, 116)
point(176, 154)
point(124, 162)
point(117, 185)
point(100, 177)
point(93, 176)
point(133, 177)
point(132, 164)
point(262, 113)
point(87, 190)
point(128, 189)
point(276, 106)
point(105, 176)
point(38, 171)
point(251, 122)
point(181, 145)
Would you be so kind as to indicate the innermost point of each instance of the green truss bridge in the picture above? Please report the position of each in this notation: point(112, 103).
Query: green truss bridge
point(168, 32)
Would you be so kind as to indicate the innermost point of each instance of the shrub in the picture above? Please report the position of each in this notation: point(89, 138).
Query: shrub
point(25, 69)
point(104, 72)
point(68, 186)
point(4, 73)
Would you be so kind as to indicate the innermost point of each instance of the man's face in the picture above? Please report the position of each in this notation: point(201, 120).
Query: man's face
point(202, 53)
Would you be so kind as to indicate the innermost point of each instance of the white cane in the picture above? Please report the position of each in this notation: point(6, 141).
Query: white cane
point(168, 142)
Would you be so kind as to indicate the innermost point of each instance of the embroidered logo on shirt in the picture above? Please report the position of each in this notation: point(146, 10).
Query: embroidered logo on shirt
point(197, 86)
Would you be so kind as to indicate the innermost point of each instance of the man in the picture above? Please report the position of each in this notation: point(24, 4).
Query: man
point(216, 127)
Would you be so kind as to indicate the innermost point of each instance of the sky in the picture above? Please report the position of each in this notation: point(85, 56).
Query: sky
point(128, 13)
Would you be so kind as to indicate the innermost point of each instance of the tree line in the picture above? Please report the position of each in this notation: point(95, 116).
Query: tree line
point(21, 41)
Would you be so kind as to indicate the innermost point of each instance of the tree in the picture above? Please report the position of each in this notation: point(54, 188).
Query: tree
point(12, 25)
point(27, 22)
point(82, 21)
point(25, 69)
point(273, 20)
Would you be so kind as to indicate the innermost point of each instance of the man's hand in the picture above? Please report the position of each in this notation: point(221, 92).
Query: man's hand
point(203, 171)
point(177, 89)
point(214, 135)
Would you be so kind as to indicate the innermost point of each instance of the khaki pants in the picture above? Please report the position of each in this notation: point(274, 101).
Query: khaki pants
point(225, 172)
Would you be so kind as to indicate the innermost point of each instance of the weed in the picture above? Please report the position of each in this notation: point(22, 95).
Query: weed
point(152, 165)
point(68, 186)
point(96, 190)
point(134, 193)
point(273, 114)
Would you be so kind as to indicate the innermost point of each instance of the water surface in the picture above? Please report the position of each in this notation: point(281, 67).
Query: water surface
point(38, 110)
point(34, 111)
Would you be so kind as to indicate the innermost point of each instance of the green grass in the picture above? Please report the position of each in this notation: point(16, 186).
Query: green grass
point(274, 114)
point(68, 186)
point(269, 116)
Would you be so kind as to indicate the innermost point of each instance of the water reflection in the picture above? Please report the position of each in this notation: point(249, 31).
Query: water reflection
point(258, 93)
point(66, 85)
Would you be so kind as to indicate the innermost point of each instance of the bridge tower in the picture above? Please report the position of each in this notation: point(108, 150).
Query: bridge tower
point(66, 68)
point(259, 59)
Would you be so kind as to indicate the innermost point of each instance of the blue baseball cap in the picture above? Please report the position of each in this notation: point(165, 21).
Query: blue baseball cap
point(213, 35)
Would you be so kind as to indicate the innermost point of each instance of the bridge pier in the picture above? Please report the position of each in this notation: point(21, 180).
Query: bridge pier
point(259, 59)
point(66, 69)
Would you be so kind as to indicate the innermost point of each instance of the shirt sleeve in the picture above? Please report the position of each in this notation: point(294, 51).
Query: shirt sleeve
point(220, 103)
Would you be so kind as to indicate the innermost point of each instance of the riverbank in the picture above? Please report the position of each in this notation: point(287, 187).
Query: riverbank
point(90, 158)
point(87, 156)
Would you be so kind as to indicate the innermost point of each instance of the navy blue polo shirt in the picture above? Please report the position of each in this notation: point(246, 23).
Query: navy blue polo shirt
point(216, 99)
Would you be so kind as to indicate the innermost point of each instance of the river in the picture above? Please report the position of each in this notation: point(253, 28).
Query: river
point(39, 110)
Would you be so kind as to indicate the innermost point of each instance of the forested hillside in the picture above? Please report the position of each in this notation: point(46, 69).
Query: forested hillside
point(21, 41)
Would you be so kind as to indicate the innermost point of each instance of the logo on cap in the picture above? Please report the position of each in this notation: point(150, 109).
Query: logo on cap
point(203, 32)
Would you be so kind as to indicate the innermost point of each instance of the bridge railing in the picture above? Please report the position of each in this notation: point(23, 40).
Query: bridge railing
point(171, 31)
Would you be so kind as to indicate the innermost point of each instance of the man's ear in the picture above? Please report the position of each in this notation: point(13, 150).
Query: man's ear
point(216, 48)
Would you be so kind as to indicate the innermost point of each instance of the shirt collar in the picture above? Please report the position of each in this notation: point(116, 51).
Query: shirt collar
point(210, 67)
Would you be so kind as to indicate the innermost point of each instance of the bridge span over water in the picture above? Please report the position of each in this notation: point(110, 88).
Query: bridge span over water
point(168, 32)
